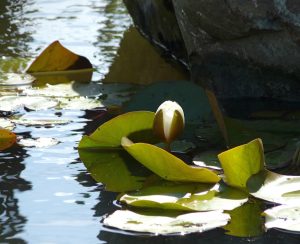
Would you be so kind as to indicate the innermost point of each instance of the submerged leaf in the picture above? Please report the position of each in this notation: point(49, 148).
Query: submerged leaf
point(161, 225)
point(241, 162)
point(135, 124)
point(57, 58)
point(283, 217)
point(166, 165)
point(186, 197)
point(7, 139)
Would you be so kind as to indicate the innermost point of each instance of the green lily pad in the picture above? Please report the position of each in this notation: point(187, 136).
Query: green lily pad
point(115, 169)
point(241, 162)
point(275, 188)
point(246, 220)
point(136, 125)
point(162, 225)
point(186, 197)
point(166, 165)
point(284, 217)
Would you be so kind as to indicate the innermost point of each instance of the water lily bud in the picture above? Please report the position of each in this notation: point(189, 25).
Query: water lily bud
point(169, 121)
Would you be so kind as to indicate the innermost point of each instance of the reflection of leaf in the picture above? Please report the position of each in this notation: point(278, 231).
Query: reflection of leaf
point(7, 139)
point(278, 188)
point(159, 224)
point(246, 221)
point(57, 58)
point(241, 162)
point(186, 197)
point(166, 165)
point(110, 133)
point(283, 217)
point(39, 142)
point(113, 169)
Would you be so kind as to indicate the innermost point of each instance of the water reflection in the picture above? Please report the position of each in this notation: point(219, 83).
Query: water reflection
point(11, 166)
point(15, 28)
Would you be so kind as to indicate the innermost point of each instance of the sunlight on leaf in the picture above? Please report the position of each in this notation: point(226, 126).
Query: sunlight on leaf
point(283, 217)
point(166, 165)
point(159, 224)
point(276, 188)
point(6, 124)
point(241, 162)
point(7, 139)
point(57, 58)
point(137, 124)
point(246, 221)
point(12, 79)
point(186, 197)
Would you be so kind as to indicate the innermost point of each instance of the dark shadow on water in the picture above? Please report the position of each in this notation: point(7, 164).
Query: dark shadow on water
point(11, 220)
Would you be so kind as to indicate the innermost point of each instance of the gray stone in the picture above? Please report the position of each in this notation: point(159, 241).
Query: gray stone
point(238, 48)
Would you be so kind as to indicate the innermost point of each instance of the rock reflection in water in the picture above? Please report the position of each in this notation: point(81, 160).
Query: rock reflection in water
point(11, 220)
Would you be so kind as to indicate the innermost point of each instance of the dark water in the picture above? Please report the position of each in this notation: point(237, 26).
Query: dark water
point(46, 194)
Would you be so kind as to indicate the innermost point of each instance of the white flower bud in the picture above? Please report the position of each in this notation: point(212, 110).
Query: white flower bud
point(169, 121)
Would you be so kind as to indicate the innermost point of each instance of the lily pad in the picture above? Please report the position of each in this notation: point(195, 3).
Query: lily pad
point(208, 159)
point(166, 165)
point(284, 217)
point(241, 162)
point(275, 188)
point(13, 103)
point(66, 90)
point(162, 225)
point(13, 79)
point(7, 139)
point(39, 121)
point(115, 169)
point(79, 103)
point(135, 124)
point(58, 58)
point(6, 124)
point(187, 197)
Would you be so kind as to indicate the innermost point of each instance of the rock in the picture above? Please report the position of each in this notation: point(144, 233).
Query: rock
point(157, 21)
point(237, 48)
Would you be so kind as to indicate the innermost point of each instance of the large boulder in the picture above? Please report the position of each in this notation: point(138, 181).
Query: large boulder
point(238, 48)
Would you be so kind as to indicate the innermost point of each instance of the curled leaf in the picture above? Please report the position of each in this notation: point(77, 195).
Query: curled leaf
point(7, 139)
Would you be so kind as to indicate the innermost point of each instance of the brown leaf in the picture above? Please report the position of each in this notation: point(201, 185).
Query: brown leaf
point(7, 139)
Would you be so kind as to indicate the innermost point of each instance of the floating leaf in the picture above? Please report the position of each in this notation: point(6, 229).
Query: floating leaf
point(13, 79)
point(40, 121)
point(114, 169)
point(12, 103)
point(161, 225)
point(166, 165)
point(136, 124)
point(187, 197)
point(57, 58)
point(246, 220)
point(241, 162)
point(79, 103)
point(275, 188)
point(38, 143)
point(283, 217)
point(185, 93)
point(6, 124)
point(68, 90)
point(7, 139)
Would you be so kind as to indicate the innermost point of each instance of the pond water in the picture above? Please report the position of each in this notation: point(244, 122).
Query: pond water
point(46, 193)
